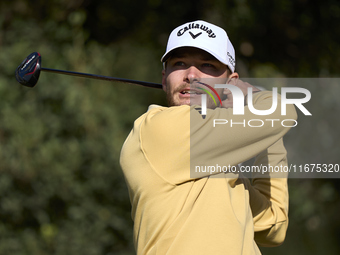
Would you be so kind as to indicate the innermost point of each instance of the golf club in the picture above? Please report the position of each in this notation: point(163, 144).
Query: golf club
point(28, 72)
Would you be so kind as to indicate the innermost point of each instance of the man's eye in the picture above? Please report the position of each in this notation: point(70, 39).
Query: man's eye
point(179, 63)
point(208, 65)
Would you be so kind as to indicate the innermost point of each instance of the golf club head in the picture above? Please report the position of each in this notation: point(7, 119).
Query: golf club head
point(27, 73)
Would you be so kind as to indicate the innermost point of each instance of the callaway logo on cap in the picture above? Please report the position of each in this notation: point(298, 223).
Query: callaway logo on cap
point(205, 36)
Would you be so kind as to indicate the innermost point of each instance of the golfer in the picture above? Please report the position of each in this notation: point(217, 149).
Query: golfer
point(177, 210)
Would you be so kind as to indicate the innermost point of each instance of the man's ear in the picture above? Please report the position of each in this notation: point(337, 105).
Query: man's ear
point(163, 80)
point(232, 79)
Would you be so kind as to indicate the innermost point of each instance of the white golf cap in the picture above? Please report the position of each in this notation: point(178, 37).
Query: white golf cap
point(205, 36)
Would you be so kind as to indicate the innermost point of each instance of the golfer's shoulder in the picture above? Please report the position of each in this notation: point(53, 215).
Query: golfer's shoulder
point(267, 99)
point(156, 111)
point(262, 95)
point(165, 117)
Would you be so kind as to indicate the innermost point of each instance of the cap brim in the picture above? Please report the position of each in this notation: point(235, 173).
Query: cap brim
point(166, 56)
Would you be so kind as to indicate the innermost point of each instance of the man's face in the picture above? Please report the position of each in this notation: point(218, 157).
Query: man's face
point(187, 66)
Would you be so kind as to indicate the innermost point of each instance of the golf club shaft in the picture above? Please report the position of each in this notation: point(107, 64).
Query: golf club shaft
point(105, 78)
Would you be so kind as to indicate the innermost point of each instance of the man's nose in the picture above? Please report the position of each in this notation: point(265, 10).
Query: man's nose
point(192, 74)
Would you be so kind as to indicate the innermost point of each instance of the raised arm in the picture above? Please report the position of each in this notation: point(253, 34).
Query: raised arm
point(189, 139)
point(269, 197)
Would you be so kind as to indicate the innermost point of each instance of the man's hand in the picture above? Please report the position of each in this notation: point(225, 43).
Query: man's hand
point(228, 102)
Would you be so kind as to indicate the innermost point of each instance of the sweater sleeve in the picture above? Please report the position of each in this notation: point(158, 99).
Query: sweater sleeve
point(269, 197)
point(176, 139)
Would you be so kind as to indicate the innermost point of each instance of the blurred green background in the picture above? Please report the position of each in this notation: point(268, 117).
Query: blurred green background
point(61, 187)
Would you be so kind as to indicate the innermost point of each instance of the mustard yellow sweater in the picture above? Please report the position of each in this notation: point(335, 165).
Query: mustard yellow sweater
point(222, 213)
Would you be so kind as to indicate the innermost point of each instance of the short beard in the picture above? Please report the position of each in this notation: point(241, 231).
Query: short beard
point(169, 96)
point(170, 100)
